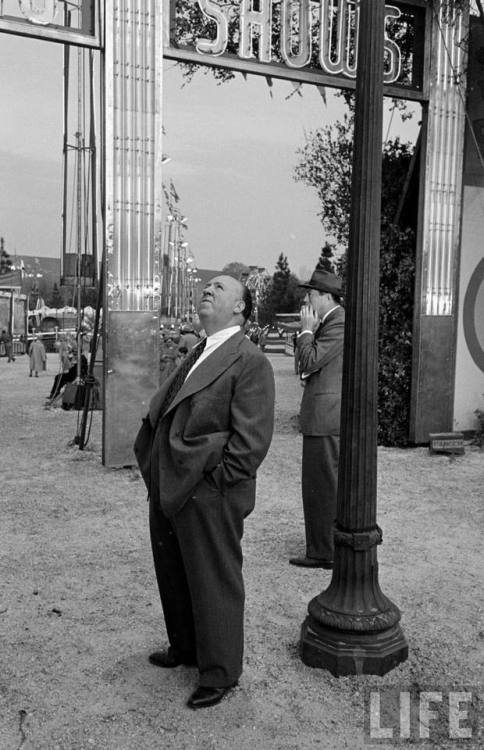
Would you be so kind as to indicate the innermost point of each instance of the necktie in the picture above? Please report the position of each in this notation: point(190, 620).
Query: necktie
point(181, 374)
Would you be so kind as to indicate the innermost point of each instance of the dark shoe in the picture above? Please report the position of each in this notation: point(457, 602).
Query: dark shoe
point(170, 659)
point(311, 562)
point(204, 697)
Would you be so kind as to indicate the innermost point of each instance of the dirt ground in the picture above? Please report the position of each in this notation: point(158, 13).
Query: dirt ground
point(79, 610)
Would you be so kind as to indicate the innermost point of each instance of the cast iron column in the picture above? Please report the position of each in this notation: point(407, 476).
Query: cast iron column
point(352, 627)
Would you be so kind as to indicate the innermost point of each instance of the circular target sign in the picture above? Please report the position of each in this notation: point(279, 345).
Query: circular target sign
point(473, 315)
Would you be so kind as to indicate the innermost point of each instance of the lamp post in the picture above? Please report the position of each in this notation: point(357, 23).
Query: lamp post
point(352, 627)
point(256, 281)
point(174, 271)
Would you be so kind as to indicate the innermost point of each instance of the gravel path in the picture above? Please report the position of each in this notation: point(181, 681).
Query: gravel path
point(79, 611)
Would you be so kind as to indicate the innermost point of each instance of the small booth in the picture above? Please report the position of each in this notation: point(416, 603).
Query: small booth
point(13, 312)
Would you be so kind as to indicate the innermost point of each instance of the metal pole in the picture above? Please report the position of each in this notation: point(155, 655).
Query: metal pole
point(92, 361)
point(66, 50)
point(79, 253)
point(352, 628)
point(93, 155)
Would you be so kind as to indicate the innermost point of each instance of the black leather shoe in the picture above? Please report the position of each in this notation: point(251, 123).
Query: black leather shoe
point(311, 562)
point(204, 697)
point(170, 659)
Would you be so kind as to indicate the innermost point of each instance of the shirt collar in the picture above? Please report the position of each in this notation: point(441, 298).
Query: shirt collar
point(219, 336)
point(329, 313)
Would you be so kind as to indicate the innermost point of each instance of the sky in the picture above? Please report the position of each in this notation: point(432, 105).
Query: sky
point(232, 152)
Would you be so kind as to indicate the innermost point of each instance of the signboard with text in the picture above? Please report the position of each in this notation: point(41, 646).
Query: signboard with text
point(300, 40)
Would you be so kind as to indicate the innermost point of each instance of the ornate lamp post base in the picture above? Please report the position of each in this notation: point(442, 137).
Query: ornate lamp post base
point(343, 652)
point(352, 627)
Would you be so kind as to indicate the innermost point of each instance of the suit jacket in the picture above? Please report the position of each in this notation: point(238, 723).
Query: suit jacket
point(219, 425)
point(321, 357)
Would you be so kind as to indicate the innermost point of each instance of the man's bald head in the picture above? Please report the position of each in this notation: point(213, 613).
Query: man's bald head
point(225, 302)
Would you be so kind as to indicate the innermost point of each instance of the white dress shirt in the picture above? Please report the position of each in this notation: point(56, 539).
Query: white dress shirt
point(213, 342)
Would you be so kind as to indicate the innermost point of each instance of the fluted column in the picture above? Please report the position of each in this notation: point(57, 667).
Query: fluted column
point(132, 188)
point(352, 627)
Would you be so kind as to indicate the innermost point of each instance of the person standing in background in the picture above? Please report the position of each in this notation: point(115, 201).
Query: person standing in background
point(37, 357)
point(6, 340)
point(319, 353)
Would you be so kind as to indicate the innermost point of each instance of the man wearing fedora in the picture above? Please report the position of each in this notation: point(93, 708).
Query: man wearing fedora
point(319, 352)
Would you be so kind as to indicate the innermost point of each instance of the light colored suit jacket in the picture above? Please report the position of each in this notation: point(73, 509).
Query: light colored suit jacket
point(321, 357)
point(219, 425)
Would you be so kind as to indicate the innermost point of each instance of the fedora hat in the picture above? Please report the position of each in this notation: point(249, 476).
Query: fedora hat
point(324, 281)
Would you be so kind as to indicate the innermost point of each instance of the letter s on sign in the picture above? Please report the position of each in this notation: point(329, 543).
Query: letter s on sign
point(393, 56)
point(214, 12)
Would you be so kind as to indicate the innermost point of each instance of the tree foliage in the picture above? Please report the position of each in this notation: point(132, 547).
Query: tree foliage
point(326, 259)
point(5, 261)
point(325, 165)
point(236, 269)
point(55, 300)
point(282, 294)
point(397, 273)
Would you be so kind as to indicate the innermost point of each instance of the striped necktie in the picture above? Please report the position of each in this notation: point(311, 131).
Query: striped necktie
point(181, 374)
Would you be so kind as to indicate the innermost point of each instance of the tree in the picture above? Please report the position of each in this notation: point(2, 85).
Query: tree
point(236, 269)
point(282, 295)
point(325, 165)
point(55, 300)
point(5, 262)
point(326, 259)
point(89, 296)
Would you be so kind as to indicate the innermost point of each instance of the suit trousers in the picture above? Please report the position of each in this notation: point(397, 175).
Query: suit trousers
point(198, 562)
point(319, 493)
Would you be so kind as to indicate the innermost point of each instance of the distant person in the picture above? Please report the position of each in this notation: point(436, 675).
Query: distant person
point(37, 357)
point(188, 338)
point(253, 332)
point(6, 340)
point(169, 357)
point(65, 350)
point(62, 378)
point(319, 353)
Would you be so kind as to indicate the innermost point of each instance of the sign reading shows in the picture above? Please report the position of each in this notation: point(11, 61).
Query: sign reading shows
point(296, 35)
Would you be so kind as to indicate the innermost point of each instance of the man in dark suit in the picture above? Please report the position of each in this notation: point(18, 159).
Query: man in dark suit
point(319, 352)
point(209, 427)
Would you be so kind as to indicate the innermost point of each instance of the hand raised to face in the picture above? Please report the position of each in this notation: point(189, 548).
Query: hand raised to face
point(309, 318)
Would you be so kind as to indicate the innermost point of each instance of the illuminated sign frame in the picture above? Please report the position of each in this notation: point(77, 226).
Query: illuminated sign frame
point(89, 36)
point(336, 67)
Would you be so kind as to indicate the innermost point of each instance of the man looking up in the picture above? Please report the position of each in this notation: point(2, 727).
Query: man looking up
point(319, 352)
point(209, 427)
